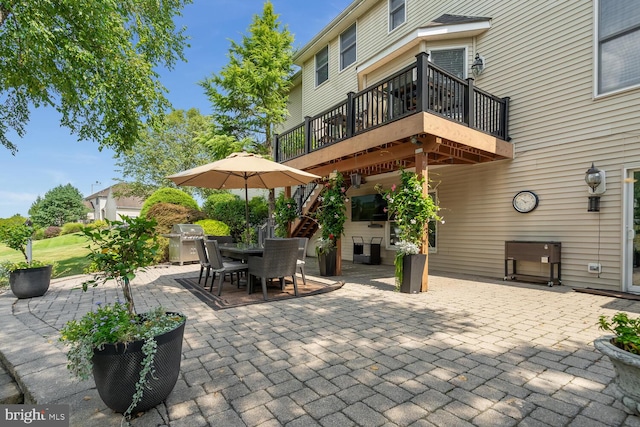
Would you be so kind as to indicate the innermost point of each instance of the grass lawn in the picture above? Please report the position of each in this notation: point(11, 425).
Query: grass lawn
point(68, 251)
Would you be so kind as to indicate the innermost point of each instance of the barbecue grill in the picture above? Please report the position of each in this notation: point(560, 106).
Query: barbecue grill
point(182, 243)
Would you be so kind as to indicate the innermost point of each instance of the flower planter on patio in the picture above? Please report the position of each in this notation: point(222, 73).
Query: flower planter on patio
point(412, 271)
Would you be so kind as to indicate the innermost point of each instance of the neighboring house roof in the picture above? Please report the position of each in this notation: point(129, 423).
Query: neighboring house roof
point(131, 202)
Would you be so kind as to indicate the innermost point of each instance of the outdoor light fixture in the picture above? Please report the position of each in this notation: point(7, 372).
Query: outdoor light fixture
point(356, 180)
point(595, 179)
point(478, 65)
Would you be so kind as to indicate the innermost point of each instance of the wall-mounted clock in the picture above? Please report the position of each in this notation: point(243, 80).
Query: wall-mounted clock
point(525, 201)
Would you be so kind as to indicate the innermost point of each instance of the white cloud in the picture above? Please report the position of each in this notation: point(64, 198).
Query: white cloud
point(11, 198)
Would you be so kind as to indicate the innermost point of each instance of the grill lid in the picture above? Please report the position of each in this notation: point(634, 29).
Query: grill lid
point(192, 229)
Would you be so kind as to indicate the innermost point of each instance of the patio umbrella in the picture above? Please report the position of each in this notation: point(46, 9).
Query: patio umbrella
point(243, 170)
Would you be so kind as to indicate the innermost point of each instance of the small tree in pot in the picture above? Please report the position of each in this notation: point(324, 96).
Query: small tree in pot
point(28, 278)
point(115, 338)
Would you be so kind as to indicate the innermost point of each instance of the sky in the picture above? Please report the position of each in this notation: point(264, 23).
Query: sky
point(48, 155)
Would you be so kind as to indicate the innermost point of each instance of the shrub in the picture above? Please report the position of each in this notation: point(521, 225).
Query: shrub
point(163, 250)
point(169, 195)
point(51, 231)
point(258, 210)
point(214, 227)
point(99, 223)
point(215, 198)
point(232, 213)
point(38, 234)
point(168, 214)
point(71, 227)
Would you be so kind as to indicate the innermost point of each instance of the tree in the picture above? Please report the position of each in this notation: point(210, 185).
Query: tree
point(249, 95)
point(59, 205)
point(94, 61)
point(174, 147)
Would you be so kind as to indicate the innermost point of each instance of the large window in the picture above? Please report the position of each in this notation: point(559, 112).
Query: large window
point(397, 13)
point(452, 60)
point(348, 47)
point(322, 66)
point(618, 41)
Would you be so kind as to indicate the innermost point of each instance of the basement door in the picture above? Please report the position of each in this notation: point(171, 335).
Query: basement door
point(631, 232)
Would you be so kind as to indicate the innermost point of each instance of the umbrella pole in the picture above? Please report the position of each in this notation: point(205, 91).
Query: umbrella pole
point(246, 210)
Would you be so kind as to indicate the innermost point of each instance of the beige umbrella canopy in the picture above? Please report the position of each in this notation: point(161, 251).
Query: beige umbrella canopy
point(243, 170)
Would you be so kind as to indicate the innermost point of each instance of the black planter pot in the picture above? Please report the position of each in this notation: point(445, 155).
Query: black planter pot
point(327, 263)
point(116, 370)
point(412, 271)
point(30, 282)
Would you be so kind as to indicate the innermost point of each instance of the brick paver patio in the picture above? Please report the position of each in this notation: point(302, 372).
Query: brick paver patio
point(468, 352)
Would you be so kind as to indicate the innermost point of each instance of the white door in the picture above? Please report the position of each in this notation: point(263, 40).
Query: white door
point(631, 232)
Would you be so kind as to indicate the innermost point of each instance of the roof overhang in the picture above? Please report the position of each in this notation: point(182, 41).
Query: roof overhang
point(430, 32)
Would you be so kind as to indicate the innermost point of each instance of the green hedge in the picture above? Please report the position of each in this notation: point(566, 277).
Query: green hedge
point(169, 195)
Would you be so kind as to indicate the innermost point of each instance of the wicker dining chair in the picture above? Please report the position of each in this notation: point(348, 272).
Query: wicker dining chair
point(204, 260)
point(279, 261)
point(302, 254)
point(221, 267)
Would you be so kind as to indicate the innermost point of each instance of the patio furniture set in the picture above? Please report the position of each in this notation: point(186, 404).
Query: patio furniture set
point(278, 259)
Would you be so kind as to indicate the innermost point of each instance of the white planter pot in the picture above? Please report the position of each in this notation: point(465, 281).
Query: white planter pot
point(627, 367)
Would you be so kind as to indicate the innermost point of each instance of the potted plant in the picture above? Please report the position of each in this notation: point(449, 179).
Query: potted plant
point(623, 349)
point(331, 216)
point(412, 209)
point(28, 278)
point(286, 211)
point(134, 358)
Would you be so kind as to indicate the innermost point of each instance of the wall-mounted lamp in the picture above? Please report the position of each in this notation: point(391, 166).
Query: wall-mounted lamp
point(595, 179)
point(356, 180)
point(478, 65)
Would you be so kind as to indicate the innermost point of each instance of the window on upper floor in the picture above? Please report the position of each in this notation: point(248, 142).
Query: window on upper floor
point(322, 66)
point(348, 47)
point(452, 60)
point(397, 13)
point(618, 41)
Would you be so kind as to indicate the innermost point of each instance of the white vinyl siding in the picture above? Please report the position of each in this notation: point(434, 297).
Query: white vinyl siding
point(542, 56)
point(348, 47)
point(618, 41)
point(397, 13)
point(322, 66)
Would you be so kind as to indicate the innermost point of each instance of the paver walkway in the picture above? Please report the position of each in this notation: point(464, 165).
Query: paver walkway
point(468, 352)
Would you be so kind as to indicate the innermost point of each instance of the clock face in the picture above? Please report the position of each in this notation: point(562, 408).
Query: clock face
point(525, 201)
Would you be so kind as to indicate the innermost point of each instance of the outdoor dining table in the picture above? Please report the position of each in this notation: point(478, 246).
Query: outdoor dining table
point(240, 251)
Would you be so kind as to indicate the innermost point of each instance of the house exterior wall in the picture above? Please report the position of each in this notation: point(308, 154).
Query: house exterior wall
point(541, 55)
point(294, 106)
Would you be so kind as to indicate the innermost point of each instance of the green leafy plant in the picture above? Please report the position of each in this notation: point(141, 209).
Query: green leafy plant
point(331, 215)
point(117, 253)
point(285, 212)
point(412, 210)
point(626, 330)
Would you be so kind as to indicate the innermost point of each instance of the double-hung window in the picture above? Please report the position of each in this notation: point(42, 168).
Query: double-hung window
point(397, 13)
point(452, 60)
point(348, 47)
point(618, 41)
point(322, 66)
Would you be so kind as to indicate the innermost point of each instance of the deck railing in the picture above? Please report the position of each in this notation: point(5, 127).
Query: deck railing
point(420, 87)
